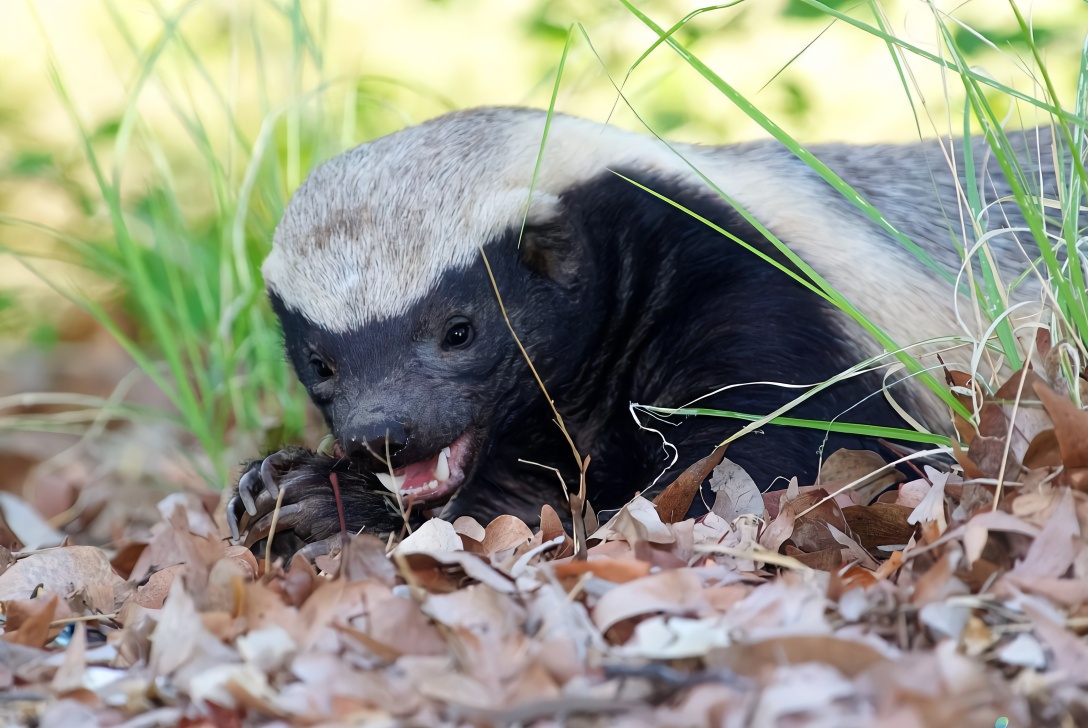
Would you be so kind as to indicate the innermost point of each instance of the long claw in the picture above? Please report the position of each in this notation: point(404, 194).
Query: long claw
point(287, 520)
point(267, 465)
point(320, 548)
point(245, 491)
point(232, 518)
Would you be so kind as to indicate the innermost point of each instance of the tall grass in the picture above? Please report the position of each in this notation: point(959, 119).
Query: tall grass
point(189, 280)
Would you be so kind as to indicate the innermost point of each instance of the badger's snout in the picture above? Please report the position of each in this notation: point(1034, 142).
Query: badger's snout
point(376, 439)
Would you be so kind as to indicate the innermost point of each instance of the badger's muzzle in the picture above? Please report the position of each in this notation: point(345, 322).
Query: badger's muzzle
point(430, 480)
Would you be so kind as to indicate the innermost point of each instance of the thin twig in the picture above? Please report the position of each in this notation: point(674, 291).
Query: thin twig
point(583, 463)
point(272, 532)
point(84, 618)
point(524, 353)
point(334, 480)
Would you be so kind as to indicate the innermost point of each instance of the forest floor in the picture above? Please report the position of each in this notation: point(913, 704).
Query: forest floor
point(946, 600)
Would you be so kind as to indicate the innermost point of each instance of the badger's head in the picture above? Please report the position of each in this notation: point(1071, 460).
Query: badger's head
point(388, 311)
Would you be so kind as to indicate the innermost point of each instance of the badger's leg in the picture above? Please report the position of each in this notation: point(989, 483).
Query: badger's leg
point(309, 513)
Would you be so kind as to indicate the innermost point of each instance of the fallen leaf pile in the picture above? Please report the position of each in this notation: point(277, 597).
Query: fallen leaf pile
point(861, 600)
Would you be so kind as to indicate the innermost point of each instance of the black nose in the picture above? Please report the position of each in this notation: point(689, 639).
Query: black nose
point(378, 441)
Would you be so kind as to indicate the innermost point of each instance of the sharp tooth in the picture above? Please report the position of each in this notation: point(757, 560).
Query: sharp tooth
point(442, 470)
point(391, 483)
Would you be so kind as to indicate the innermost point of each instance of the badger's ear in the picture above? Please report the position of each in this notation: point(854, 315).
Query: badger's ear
point(549, 249)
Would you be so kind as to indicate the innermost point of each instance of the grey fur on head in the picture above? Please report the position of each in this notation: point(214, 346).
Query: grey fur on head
point(376, 226)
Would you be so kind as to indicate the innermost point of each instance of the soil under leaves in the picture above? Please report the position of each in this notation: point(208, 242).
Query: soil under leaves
point(860, 600)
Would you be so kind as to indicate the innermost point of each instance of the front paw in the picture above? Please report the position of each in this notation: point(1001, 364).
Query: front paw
point(259, 487)
point(309, 513)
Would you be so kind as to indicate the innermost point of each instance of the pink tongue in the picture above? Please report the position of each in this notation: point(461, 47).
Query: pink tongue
point(417, 474)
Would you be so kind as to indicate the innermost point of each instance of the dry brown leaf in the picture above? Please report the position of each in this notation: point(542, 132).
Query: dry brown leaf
point(460, 566)
point(736, 494)
point(669, 592)
point(829, 559)
point(1053, 550)
point(363, 557)
point(69, 676)
point(433, 535)
point(780, 529)
point(977, 531)
point(970, 470)
point(1070, 426)
point(180, 635)
point(847, 466)
point(27, 620)
point(938, 583)
point(173, 543)
point(881, 524)
point(992, 421)
point(1043, 452)
point(810, 532)
point(126, 557)
point(469, 526)
point(27, 524)
point(987, 453)
point(852, 550)
point(849, 657)
point(674, 502)
point(505, 533)
point(152, 593)
point(925, 637)
point(638, 522)
point(889, 567)
point(617, 571)
point(1070, 652)
point(82, 570)
point(397, 624)
point(551, 527)
point(489, 629)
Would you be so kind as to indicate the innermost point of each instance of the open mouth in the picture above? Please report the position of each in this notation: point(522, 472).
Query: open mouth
point(434, 481)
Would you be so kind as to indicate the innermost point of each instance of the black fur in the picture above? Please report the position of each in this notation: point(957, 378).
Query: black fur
point(624, 299)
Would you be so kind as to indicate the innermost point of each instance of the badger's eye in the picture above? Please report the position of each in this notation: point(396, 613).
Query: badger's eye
point(459, 334)
point(321, 367)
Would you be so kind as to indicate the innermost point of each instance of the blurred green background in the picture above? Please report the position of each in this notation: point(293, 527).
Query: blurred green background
point(147, 150)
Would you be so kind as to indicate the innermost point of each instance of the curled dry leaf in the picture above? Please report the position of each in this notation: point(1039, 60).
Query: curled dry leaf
point(505, 533)
point(81, 572)
point(27, 620)
point(433, 535)
point(675, 500)
point(670, 592)
point(865, 468)
point(881, 524)
point(637, 522)
point(849, 657)
point(735, 493)
point(810, 531)
point(1070, 426)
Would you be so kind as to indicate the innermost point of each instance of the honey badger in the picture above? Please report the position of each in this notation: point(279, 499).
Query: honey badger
point(391, 321)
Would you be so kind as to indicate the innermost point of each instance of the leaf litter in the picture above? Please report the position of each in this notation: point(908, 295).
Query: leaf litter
point(948, 599)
